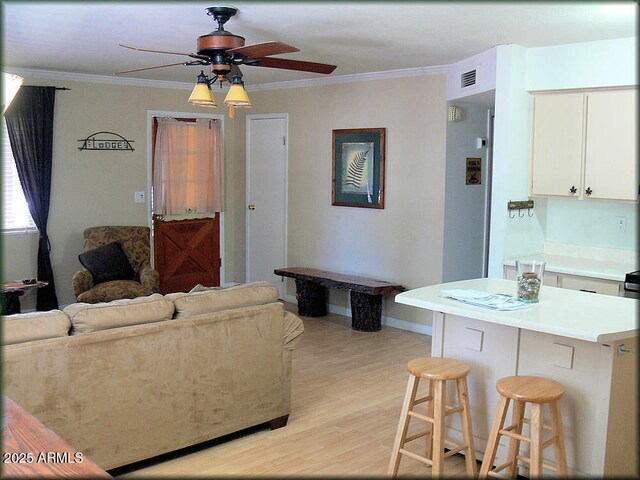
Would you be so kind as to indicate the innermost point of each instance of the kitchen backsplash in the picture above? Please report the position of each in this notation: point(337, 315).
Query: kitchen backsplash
point(591, 223)
point(627, 257)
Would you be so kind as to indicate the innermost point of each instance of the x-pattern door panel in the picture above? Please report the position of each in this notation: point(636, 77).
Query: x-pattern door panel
point(187, 252)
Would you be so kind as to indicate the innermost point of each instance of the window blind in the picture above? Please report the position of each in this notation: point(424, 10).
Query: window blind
point(15, 212)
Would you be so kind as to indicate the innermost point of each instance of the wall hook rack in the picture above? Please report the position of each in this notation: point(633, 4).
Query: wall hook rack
point(520, 205)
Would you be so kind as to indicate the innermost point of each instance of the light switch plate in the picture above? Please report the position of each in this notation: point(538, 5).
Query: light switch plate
point(138, 197)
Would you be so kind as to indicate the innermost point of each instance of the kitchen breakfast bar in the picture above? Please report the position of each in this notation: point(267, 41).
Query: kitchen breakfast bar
point(587, 342)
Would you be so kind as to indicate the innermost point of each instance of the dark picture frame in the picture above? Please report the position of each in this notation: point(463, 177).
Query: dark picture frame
point(358, 167)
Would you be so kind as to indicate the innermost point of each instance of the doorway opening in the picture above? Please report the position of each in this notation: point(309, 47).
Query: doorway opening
point(467, 210)
point(187, 248)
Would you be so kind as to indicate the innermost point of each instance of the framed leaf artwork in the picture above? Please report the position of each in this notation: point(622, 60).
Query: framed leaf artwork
point(358, 167)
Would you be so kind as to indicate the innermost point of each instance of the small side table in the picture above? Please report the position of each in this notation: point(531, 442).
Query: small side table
point(12, 292)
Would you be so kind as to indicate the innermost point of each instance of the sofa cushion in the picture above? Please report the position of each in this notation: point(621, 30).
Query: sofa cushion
point(207, 301)
point(26, 327)
point(202, 288)
point(114, 290)
point(107, 263)
point(87, 318)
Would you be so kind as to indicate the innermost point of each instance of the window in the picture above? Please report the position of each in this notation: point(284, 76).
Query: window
point(15, 212)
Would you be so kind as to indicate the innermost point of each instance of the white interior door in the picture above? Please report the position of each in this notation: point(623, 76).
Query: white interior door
point(266, 197)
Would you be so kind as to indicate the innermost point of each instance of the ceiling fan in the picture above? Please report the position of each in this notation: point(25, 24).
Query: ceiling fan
point(225, 52)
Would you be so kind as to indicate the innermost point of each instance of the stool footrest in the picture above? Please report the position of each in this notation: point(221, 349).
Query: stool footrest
point(451, 410)
point(544, 465)
point(422, 400)
point(544, 426)
point(415, 437)
point(550, 441)
point(507, 431)
point(500, 468)
point(453, 451)
point(420, 416)
point(415, 456)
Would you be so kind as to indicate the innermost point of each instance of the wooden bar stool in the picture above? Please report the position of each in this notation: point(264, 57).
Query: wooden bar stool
point(538, 391)
point(437, 371)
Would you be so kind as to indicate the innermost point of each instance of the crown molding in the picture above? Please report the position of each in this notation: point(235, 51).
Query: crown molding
point(312, 82)
point(88, 78)
point(356, 77)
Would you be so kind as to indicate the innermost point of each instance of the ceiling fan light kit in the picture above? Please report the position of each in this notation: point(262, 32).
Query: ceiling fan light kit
point(225, 52)
point(237, 96)
point(202, 95)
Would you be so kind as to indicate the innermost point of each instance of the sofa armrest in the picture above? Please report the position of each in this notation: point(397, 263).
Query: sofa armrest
point(149, 278)
point(293, 328)
point(82, 281)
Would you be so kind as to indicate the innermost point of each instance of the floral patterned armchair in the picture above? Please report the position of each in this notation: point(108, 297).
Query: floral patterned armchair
point(135, 244)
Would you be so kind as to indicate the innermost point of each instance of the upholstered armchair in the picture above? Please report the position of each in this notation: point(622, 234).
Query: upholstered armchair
point(103, 285)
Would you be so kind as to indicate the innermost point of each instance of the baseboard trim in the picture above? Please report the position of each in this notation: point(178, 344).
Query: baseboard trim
point(389, 321)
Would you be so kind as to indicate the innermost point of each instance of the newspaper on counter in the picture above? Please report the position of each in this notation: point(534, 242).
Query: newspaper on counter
point(494, 301)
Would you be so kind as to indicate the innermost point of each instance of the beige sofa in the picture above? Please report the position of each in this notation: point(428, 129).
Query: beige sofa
point(131, 379)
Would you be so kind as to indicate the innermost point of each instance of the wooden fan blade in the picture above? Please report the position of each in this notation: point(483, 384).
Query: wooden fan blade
point(296, 65)
point(259, 50)
point(151, 68)
point(192, 55)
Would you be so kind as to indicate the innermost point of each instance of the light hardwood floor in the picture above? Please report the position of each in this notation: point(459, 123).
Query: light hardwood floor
point(347, 391)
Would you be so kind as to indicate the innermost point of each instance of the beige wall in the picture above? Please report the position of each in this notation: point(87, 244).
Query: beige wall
point(92, 188)
point(402, 243)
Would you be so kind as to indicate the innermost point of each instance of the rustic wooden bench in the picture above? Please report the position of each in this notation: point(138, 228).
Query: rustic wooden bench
point(365, 295)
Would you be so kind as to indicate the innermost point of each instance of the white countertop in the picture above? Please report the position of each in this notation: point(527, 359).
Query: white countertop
point(582, 266)
point(568, 313)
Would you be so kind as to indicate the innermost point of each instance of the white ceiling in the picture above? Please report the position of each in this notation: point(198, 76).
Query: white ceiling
point(359, 37)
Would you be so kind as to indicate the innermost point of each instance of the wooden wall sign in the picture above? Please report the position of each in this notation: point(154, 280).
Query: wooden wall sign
point(106, 141)
point(474, 172)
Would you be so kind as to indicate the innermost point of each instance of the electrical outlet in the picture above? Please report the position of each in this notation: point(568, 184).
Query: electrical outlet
point(138, 197)
point(621, 224)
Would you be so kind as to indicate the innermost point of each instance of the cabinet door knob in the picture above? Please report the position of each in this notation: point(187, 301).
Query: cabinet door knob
point(573, 190)
point(588, 191)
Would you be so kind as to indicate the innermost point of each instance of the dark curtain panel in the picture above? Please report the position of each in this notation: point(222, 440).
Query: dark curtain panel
point(30, 126)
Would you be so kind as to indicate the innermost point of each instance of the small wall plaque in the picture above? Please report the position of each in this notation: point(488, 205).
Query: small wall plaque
point(474, 173)
point(106, 141)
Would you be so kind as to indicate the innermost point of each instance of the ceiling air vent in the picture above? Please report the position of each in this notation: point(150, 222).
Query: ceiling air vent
point(468, 79)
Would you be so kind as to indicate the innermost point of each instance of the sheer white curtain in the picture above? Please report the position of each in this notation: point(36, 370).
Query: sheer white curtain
point(188, 167)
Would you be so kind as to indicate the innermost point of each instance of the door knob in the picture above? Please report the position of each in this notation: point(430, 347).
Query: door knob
point(252, 206)
point(588, 191)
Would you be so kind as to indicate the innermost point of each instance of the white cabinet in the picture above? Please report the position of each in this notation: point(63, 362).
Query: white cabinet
point(598, 382)
point(491, 352)
point(611, 160)
point(599, 406)
point(556, 161)
point(591, 285)
point(584, 144)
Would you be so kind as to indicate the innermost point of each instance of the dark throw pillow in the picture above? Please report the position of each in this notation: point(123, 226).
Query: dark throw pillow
point(107, 263)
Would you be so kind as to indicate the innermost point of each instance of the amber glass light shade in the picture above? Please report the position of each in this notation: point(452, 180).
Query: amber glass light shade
point(201, 94)
point(237, 97)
